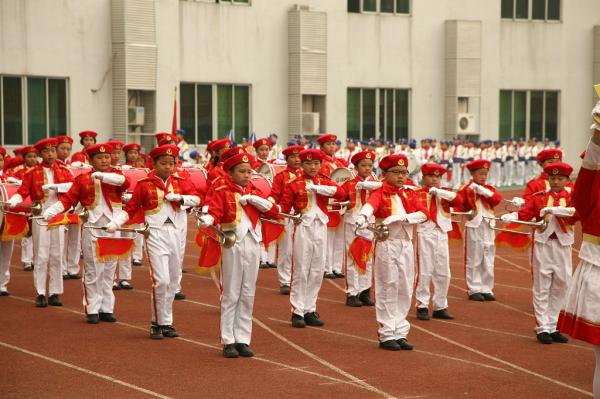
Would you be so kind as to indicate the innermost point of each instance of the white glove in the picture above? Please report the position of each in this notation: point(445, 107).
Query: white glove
point(190, 200)
point(361, 222)
point(14, 181)
point(517, 202)
point(48, 187)
point(15, 200)
point(53, 211)
point(596, 110)
point(443, 194)
point(484, 192)
point(244, 199)
point(98, 175)
point(114, 179)
point(416, 217)
point(187, 165)
point(80, 165)
point(63, 187)
point(368, 185)
point(410, 187)
point(206, 220)
point(262, 204)
point(111, 227)
point(327, 191)
point(395, 219)
point(558, 211)
point(172, 197)
point(126, 167)
point(508, 218)
point(545, 210)
point(126, 197)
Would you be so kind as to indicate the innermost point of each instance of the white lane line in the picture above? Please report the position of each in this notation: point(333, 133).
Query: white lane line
point(85, 371)
point(503, 259)
point(335, 285)
point(504, 362)
point(499, 285)
point(374, 341)
point(498, 303)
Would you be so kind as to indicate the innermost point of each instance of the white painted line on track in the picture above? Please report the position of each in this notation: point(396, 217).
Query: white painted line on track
point(335, 285)
point(85, 371)
point(498, 303)
point(499, 285)
point(503, 259)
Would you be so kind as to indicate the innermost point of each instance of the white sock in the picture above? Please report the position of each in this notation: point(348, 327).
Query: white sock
point(597, 373)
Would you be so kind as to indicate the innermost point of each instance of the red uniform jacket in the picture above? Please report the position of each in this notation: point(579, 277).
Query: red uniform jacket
point(35, 179)
point(381, 201)
point(80, 156)
point(543, 199)
point(425, 200)
point(469, 198)
point(87, 190)
point(332, 163)
point(281, 180)
point(540, 183)
point(352, 194)
point(587, 203)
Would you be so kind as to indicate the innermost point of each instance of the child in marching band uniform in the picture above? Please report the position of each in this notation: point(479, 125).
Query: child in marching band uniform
point(358, 286)
point(86, 139)
point(394, 258)
point(480, 249)
point(552, 248)
point(6, 247)
point(433, 258)
point(262, 148)
point(236, 206)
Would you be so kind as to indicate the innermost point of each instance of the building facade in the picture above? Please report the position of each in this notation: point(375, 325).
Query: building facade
point(362, 68)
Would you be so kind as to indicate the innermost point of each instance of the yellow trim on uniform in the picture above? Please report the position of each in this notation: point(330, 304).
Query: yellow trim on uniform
point(591, 239)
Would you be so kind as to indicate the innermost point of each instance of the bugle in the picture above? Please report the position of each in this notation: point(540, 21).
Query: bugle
point(297, 218)
point(541, 225)
point(35, 208)
point(343, 205)
point(83, 215)
point(380, 231)
point(145, 231)
point(468, 214)
point(226, 238)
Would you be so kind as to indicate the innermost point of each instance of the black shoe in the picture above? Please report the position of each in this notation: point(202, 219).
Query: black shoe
point(125, 285)
point(559, 338)
point(108, 317)
point(390, 345)
point(92, 318)
point(489, 297)
point(284, 290)
point(298, 321)
point(155, 332)
point(442, 314)
point(404, 344)
point(353, 301)
point(230, 352)
point(40, 301)
point(169, 332)
point(75, 276)
point(4, 293)
point(330, 276)
point(28, 267)
point(179, 296)
point(338, 274)
point(66, 277)
point(365, 297)
point(244, 350)
point(54, 300)
point(422, 314)
point(544, 338)
point(116, 287)
point(312, 319)
point(272, 266)
point(136, 262)
point(183, 270)
point(261, 265)
point(476, 297)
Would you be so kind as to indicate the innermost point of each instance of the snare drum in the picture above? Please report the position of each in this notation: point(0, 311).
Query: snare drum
point(270, 170)
point(133, 175)
point(262, 184)
point(8, 191)
point(342, 175)
point(198, 179)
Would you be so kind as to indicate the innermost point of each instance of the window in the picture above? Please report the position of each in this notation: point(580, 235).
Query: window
point(32, 108)
point(209, 111)
point(537, 10)
point(379, 6)
point(528, 114)
point(377, 114)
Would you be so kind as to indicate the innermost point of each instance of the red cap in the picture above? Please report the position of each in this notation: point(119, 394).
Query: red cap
point(116, 144)
point(294, 149)
point(64, 139)
point(311, 155)
point(558, 168)
point(232, 152)
point(103, 148)
point(326, 138)
point(130, 147)
point(13, 162)
point(166, 138)
point(159, 136)
point(218, 144)
point(18, 150)
point(478, 164)
point(26, 150)
point(260, 142)
point(433, 169)
point(46, 143)
point(390, 161)
point(236, 157)
point(168, 149)
point(552, 153)
point(359, 156)
point(3, 151)
point(88, 133)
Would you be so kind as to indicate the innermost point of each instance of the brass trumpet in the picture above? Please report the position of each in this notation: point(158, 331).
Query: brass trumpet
point(540, 226)
point(145, 231)
point(380, 231)
point(297, 218)
point(332, 204)
point(226, 238)
point(468, 214)
point(35, 208)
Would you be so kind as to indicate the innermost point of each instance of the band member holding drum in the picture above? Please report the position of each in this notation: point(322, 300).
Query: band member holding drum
point(552, 249)
point(309, 194)
point(262, 148)
point(479, 198)
point(433, 258)
point(86, 139)
point(236, 206)
point(285, 244)
point(541, 183)
point(218, 147)
point(6, 247)
point(394, 258)
point(44, 183)
point(358, 285)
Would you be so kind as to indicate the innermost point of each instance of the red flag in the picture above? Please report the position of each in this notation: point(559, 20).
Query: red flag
point(271, 232)
point(210, 251)
point(14, 227)
point(513, 240)
point(63, 219)
point(110, 248)
point(174, 124)
point(360, 252)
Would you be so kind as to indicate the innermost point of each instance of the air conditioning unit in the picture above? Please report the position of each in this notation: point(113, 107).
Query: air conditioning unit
point(135, 116)
point(466, 123)
point(310, 122)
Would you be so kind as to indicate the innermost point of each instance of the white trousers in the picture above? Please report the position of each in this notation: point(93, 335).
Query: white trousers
point(355, 282)
point(6, 250)
point(520, 173)
point(456, 175)
point(138, 247)
point(552, 270)
point(181, 245)
point(239, 271)
point(308, 265)
point(433, 267)
point(335, 249)
point(163, 248)
point(479, 266)
point(495, 178)
point(284, 261)
point(72, 249)
point(49, 247)
point(268, 255)
point(27, 248)
point(123, 270)
point(394, 279)
point(97, 277)
point(509, 168)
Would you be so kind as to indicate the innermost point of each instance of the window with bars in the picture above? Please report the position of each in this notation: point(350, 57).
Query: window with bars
point(536, 10)
point(528, 114)
point(379, 6)
point(32, 108)
point(210, 111)
point(377, 113)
